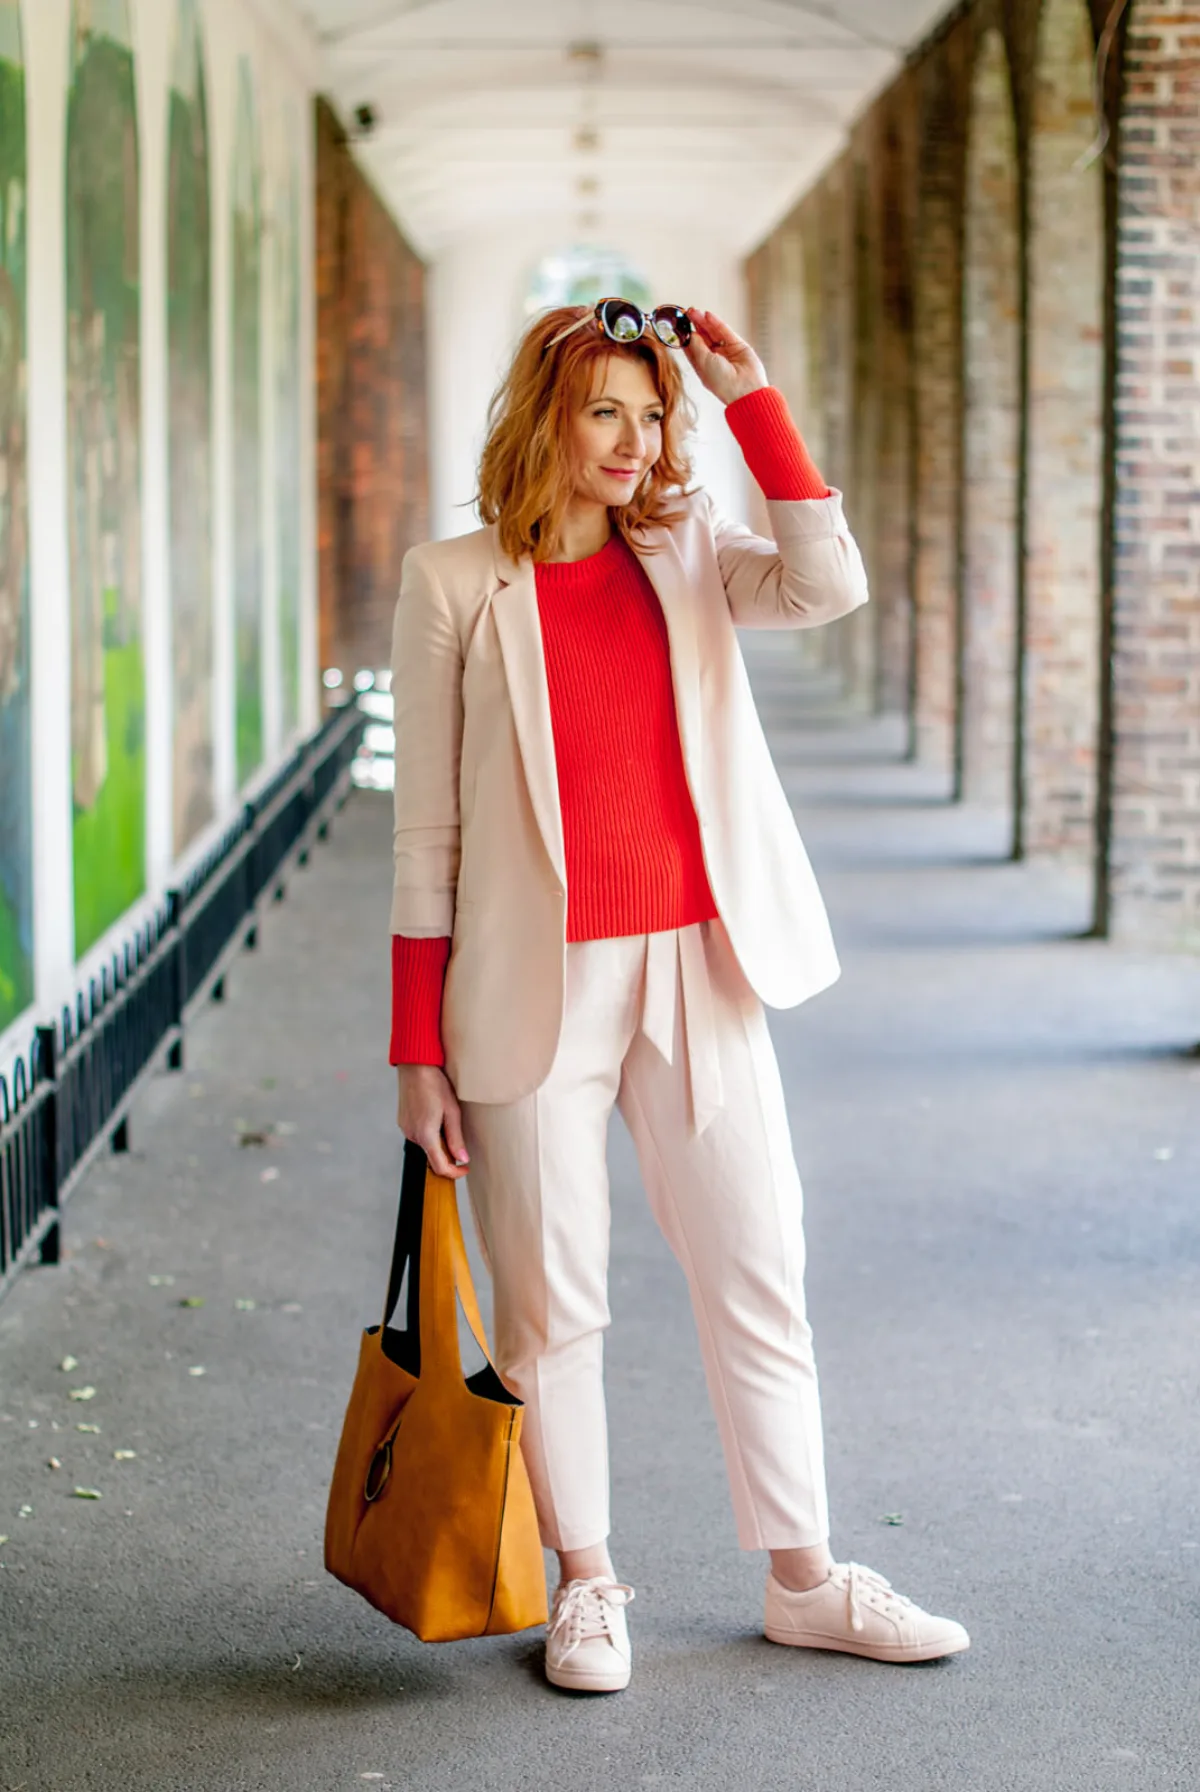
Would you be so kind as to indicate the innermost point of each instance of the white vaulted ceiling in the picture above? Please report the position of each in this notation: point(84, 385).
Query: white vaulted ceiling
point(571, 114)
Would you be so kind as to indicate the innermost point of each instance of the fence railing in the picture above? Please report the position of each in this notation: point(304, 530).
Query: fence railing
point(70, 1097)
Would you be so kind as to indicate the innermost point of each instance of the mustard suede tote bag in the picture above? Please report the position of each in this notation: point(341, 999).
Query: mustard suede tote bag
point(430, 1513)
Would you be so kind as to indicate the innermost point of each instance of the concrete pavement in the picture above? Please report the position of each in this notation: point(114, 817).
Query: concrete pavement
point(999, 1129)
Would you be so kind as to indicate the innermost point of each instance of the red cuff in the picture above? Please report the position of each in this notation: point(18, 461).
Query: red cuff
point(771, 443)
point(418, 972)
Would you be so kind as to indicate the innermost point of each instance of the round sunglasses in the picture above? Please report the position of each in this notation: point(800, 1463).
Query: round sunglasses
point(622, 321)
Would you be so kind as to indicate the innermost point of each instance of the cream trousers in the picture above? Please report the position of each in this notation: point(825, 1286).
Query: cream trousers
point(666, 1028)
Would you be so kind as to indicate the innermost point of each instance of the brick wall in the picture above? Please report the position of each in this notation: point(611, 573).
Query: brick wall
point(373, 494)
point(1154, 849)
point(1002, 323)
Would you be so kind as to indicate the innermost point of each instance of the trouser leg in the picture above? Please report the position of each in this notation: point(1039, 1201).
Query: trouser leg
point(538, 1183)
point(729, 1203)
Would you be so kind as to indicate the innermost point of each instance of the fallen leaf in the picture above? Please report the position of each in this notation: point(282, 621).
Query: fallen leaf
point(892, 1518)
point(124, 1455)
point(82, 1394)
point(245, 1306)
point(192, 1300)
point(161, 1281)
point(93, 1428)
point(87, 1493)
point(197, 1369)
point(25, 1512)
point(271, 1175)
point(252, 1137)
point(53, 1462)
point(268, 1082)
point(3, 1539)
point(68, 1363)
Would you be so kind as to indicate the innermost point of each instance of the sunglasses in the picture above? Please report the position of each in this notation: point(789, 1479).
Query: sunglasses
point(622, 321)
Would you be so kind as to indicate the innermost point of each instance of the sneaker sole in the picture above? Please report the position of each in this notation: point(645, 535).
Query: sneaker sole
point(872, 1652)
point(575, 1682)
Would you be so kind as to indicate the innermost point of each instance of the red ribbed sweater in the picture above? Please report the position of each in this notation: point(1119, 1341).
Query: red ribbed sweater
point(631, 839)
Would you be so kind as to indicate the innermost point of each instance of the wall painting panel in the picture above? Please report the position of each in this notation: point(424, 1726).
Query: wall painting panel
point(189, 360)
point(16, 875)
point(108, 750)
point(287, 423)
point(247, 432)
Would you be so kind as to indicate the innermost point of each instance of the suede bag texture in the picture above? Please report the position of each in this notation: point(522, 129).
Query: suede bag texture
point(430, 1513)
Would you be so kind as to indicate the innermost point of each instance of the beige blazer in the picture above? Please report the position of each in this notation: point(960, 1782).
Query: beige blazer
point(478, 839)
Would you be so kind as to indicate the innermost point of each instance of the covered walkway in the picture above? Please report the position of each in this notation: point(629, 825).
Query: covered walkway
point(996, 1121)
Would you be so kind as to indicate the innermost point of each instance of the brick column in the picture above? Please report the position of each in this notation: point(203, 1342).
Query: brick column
point(1154, 849)
point(991, 438)
point(862, 489)
point(937, 328)
point(892, 373)
point(853, 637)
point(1066, 368)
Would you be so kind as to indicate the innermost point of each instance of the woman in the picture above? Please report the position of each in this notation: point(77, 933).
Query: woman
point(598, 882)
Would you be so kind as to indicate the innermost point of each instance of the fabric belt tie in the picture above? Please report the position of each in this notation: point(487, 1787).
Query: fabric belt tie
point(676, 960)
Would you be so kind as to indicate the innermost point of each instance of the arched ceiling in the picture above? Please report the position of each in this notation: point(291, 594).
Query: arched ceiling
point(713, 115)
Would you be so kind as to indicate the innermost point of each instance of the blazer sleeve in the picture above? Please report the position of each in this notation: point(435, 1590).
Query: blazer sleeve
point(427, 674)
point(811, 573)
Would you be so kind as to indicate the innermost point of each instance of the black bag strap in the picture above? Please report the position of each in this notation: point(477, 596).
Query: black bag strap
point(406, 1251)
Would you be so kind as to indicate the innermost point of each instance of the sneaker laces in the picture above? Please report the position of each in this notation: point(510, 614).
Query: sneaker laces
point(583, 1609)
point(865, 1587)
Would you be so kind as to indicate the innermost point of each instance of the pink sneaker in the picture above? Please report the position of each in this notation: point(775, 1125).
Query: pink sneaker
point(858, 1612)
point(587, 1641)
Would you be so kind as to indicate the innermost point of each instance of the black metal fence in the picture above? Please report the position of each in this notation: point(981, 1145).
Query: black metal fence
point(70, 1097)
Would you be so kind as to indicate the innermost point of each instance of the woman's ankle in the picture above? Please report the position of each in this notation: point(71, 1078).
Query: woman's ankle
point(585, 1564)
point(800, 1570)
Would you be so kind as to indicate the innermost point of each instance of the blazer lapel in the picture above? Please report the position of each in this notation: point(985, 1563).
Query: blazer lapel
point(664, 567)
point(520, 632)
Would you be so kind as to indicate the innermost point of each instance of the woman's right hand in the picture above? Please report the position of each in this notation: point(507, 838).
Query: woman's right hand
point(428, 1113)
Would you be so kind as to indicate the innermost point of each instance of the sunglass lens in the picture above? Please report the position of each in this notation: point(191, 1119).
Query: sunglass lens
point(621, 320)
point(673, 326)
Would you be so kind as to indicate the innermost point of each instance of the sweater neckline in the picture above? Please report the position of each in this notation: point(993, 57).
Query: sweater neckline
point(571, 572)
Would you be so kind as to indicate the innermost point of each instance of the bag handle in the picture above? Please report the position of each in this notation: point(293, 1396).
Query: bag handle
point(429, 1243)
point(406, 1249)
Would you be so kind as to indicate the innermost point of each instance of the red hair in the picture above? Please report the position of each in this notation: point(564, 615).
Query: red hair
point(526, 474)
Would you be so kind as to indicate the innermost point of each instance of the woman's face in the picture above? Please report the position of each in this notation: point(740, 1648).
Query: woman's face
point(616, 436)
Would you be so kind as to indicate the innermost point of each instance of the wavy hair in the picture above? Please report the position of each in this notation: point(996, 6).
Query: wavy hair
point(526, 476)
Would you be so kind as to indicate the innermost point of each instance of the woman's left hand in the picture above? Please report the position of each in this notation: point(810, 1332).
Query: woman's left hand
point(726, 365)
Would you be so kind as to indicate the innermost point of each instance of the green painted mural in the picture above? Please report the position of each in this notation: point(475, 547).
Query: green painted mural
point(16, 871)
point(189, 376)
point(108, 710)
point(287, 425)
point(247, 431)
